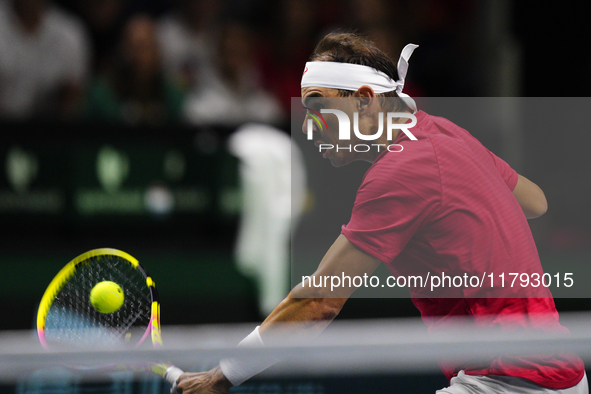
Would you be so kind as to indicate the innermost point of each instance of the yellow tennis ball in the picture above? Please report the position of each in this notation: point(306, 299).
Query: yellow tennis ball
point(107, 297)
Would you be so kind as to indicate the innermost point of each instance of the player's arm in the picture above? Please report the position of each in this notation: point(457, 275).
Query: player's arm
point(530, 197)
point(308, 316)
point(318, 306)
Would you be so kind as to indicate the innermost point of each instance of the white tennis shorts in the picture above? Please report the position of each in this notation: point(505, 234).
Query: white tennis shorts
point(495, 384)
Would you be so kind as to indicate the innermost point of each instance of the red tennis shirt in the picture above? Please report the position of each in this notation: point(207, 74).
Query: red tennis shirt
point(444, 204)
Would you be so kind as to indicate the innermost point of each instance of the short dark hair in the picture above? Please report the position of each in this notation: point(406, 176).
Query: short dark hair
point(351, 47)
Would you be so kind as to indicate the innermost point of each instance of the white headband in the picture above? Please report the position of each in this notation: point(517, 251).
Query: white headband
point(349, 76)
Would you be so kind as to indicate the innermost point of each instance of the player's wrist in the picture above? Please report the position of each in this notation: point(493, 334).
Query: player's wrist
point(239, 369)
point(221, 381)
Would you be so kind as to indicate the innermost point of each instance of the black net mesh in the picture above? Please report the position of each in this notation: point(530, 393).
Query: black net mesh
point(73, 320)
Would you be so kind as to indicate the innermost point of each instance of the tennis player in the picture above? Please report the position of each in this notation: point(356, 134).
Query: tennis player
point(443, 204)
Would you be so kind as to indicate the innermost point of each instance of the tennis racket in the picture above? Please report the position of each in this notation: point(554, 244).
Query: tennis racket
point(67, 317)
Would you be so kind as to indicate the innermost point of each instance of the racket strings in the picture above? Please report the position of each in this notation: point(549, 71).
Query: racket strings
point(73, 319)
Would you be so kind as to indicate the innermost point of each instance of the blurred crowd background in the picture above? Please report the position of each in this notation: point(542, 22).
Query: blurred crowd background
point(113, 111)
point(196, 61)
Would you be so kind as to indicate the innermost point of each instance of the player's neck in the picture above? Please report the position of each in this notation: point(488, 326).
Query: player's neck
point(381, 144)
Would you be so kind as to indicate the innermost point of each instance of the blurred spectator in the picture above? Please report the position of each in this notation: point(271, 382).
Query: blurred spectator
point(186, 39)
point(43, 60)
point(135, 89)
point(291, 40)
point(367, 14)
point(105, 20)
point(230, 93)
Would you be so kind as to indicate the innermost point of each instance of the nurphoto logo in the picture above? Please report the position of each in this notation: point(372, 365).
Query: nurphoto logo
point(344, 132)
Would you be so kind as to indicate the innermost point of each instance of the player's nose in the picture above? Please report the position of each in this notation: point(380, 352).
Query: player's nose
point(305, 125)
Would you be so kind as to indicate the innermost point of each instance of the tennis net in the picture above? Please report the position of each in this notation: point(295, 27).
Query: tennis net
point(346, 350)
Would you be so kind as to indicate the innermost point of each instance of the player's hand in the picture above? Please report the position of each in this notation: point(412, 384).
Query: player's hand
point(210, 382)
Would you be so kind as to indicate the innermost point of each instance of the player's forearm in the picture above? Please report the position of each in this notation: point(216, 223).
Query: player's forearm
point(309, 309)
point(307, 316)
point(293, 318)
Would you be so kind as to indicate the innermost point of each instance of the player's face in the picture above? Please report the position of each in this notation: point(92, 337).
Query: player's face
point(312, 98)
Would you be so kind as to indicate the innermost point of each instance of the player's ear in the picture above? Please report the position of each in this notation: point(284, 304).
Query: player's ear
point(366, 95)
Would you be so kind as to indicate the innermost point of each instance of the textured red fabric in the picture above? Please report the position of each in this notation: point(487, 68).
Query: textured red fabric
point(444, 204)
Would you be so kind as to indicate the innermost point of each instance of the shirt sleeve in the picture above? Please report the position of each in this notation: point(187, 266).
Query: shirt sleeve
point(508, 174)
point(390, 207)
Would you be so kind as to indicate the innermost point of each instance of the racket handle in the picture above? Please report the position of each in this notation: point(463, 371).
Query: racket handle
point(171, 376)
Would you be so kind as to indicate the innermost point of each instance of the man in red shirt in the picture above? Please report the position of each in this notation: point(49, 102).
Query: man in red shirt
point(438, 202)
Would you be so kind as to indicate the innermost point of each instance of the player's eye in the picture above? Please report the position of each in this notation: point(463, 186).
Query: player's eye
point(313, 108)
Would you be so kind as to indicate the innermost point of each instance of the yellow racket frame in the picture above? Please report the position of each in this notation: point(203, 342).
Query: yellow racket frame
point(69, 270)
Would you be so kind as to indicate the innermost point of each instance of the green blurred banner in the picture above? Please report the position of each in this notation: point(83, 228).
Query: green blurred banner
point(91, 175)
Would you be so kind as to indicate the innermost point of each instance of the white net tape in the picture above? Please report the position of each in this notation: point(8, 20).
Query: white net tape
point(360, 347)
